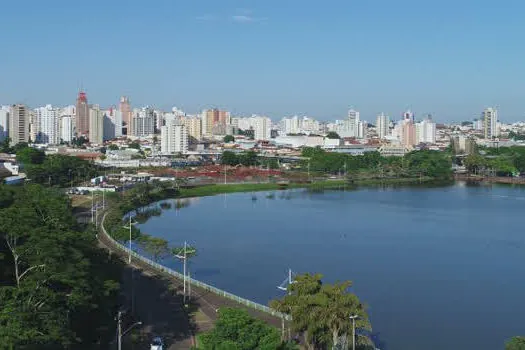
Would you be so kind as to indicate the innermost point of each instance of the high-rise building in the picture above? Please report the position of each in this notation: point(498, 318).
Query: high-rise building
point(174, 138)
point(290, 125)
point(408, 132)
point(4, 122)
point(143, 122)
point(362, 129)
point(66, 128)
point(214, 117)
point(112, 123)
point(125, 112)
point(262, 127)
point(382, 125)
point(96, 125)
point(19, 124)
point(82, 116)
point(426, 131)
point(353, 119)
point(47, 122)
point(490, 118)
point(193, 127)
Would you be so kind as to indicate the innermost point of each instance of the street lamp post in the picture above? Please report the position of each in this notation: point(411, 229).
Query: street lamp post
point(353, 318)
point(119, 329)
point(130, 227)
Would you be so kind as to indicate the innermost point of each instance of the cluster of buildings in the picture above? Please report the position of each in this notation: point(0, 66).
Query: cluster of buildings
point(175, 132)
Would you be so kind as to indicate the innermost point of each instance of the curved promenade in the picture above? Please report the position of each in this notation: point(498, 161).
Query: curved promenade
point(208, 298)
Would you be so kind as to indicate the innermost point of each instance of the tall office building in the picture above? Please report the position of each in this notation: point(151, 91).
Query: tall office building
point(96, 125)
point(143, 122)
point(490, 118)
point(82, 116)
point(125, 112)
point(194, 127)
point(66, 128)
point(47, 125)
point(174, 138)
point(19, 124)
point(382, 125)
point(4, 122)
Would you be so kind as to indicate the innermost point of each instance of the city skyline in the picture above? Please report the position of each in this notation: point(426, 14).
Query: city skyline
point(271, 59)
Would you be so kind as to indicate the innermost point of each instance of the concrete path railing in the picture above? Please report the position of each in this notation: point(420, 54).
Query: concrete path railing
point(194, 282)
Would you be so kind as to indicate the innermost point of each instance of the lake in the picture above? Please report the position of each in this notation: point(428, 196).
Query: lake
point(440, 268)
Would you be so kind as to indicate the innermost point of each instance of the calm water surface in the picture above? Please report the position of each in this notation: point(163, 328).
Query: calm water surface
point(440, 268)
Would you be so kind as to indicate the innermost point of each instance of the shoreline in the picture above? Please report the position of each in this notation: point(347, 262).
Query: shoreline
point(215, 189)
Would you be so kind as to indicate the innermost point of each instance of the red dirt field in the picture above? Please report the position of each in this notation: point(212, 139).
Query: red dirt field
point(217, 171)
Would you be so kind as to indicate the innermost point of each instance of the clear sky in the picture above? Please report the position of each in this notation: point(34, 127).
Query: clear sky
point(451, 58)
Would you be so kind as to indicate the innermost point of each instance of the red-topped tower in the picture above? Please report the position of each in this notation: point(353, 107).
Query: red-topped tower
point(82, 117)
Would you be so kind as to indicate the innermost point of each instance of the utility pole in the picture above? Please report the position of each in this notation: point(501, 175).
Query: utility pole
point(184, 279)
point(92, 207)
point(130, 227)
point(225, 174)
point(119, 330)
point(353, 330)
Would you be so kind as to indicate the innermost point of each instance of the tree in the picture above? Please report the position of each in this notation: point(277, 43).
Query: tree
point(134, 145)
point(229, 158)
point(29, 155)
point(156, 247)
point(228, 138)
point(321, 311)
point(4, 146)
point(79, 141)
point(53, 278)
point(113, 147)
point(236, 329)
point(516, 343)
point(333, 135)
point(474, 163)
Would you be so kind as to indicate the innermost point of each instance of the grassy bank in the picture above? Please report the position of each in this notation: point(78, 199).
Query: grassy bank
point(210, 190)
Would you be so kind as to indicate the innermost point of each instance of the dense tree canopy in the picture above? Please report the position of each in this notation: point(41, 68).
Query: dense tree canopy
point(228, 138)
point(321, 311)
point(236, 330)
point(247, 158)
point(516, 343)
point(428, 163)
point(58, 290)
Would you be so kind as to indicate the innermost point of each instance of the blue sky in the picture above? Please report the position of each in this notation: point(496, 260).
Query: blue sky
point(273, 57)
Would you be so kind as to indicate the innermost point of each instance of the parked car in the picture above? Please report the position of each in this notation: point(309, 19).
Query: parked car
point(157, 344)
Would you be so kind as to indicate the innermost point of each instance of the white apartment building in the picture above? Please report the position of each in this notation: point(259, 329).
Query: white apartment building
point(173, 138)
point(490, 118)
point(4, 122)
point(426, 131)
point(47, 125)
point(143, 122)
point(353, 119)
point(362, 129)
point(382, 125)
point(96, 125)
point(291, 125)
point(262, 128)
point(66, 128)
